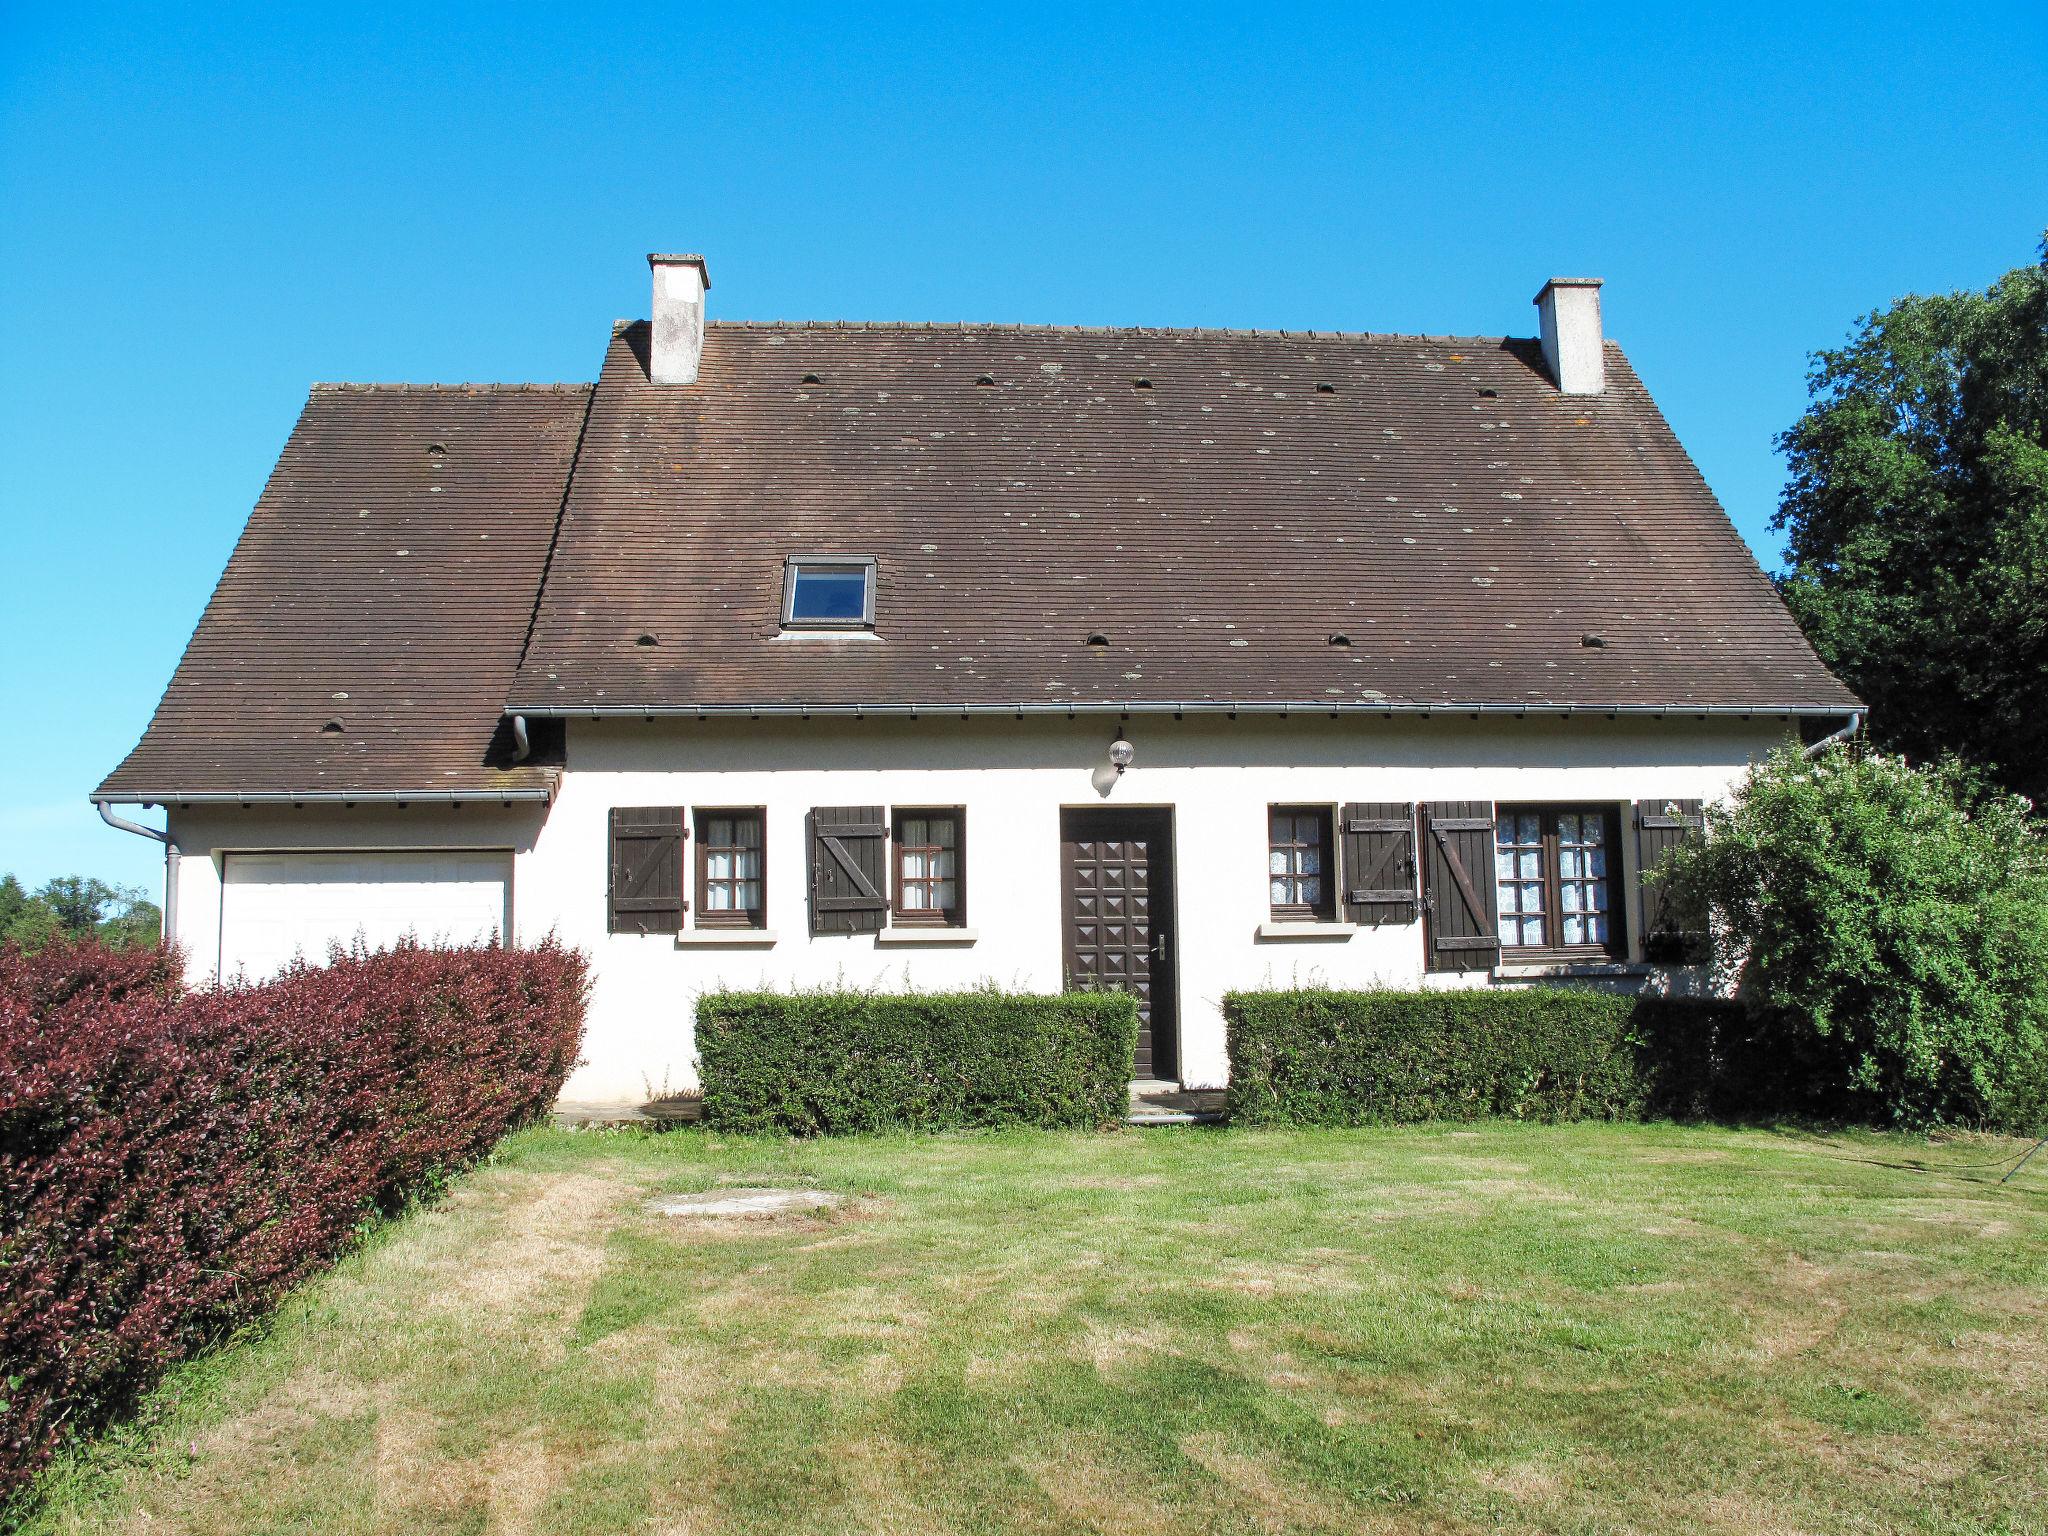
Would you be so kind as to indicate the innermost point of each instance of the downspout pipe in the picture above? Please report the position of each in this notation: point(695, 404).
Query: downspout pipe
point(1855, 724)
point(160, 835)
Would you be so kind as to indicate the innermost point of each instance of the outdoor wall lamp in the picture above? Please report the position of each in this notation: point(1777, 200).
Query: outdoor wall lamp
point(1121, 752)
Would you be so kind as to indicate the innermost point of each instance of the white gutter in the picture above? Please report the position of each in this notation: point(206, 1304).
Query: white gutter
point(327, 797)
point(1387, 708)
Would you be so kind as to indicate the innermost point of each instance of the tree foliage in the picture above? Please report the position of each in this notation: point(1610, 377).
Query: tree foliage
point(77, 907)
point(1917, 523)
point(1892, 922)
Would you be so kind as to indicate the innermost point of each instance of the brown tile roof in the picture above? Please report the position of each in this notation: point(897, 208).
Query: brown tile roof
point(1433, 498)
point(380, 584)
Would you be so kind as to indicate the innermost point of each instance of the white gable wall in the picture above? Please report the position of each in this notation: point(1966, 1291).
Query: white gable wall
point(1014, 777)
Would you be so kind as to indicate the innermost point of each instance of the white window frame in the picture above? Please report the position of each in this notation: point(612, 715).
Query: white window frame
point(865, 564)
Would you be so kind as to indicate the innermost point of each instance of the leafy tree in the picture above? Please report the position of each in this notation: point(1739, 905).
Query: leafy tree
point(1890, 924)
point(73, 906)
point(1917, 523)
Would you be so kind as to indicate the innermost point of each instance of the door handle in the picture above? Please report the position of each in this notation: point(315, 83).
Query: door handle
point(1159, 943)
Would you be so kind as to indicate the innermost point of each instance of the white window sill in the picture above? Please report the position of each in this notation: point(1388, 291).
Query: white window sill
point(1305, 931)
point(726, 938)
point(931, 935)
point(1573, 968)
point(859, 636)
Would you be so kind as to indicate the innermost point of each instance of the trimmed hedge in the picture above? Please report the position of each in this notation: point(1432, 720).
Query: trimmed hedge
point(819, 1062)
point(170, 1164)
point(1354, 1058)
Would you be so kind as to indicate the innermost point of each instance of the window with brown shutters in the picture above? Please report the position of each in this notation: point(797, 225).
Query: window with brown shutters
point(1300, 878)
point(930, 866)
point(1662, 825)
point(848, 878)
point(646, 887)
point(1457, 865)
point(1379, 862)
point(1557, 873)
point(732, 884)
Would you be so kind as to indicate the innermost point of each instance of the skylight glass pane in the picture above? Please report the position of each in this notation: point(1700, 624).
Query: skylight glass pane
point(828, 594)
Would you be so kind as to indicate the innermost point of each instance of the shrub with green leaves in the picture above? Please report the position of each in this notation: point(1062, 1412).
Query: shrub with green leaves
point(1317, 1057)
point(1892, 924)
point(817, 1062)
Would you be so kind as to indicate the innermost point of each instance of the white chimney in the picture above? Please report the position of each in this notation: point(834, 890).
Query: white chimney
point(680, 283)
point(1570, 311)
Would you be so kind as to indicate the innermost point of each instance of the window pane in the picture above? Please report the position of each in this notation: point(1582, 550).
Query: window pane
point(945, 831)
point(1596, 929)
point(718, 830)
point(942, 863)
point(747, 864)
point(749, 829)
point(943, 895)
point(750, 896)
point(1279, 862)
point(1532, 930)
point(1596, 829)
point(1596, 860)
point(913, 865)
point(1504, 864)
point(718, 898)
point(717, 864)
point(1311, 892)
point(1569, 895)
point(1311, 861)
point(1568, 864)
point(1575, 930)
point(1309, 829)
point(1531, 866)
point(912, 830)
point(1532, 897)
point(828, 592)
point(1280, 888)
point(1510, 929)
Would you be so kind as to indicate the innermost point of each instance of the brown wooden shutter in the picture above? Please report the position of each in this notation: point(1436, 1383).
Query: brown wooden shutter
point(646, 894)
point(849, 846)
point(1662, 825)
point(1463, 932)
point(1379, 862)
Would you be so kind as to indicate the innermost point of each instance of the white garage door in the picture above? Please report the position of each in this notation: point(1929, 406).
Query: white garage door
point(277, 905)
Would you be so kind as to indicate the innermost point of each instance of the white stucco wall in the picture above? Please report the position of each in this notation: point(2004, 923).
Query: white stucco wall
point(1014, 777)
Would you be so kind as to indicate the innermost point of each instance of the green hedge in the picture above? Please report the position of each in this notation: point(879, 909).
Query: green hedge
point(1350, 1058)
point(813, 1062)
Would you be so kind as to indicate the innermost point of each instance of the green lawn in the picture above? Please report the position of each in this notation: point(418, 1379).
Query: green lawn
point(1589, 1328)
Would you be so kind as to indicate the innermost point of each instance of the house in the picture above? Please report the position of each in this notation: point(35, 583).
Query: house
point(899, 654)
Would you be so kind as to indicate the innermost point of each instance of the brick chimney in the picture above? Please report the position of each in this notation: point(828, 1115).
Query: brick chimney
point(680, 283)
point(1570, 311)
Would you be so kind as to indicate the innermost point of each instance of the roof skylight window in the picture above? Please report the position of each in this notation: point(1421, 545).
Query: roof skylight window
point(828, 592)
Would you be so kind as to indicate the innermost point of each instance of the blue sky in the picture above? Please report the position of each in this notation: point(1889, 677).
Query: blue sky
point(202, 211)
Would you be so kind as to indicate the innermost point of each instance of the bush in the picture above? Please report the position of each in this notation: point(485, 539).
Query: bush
point(811, 1062)
point(1892, 927)
point(170, 1164)
point(1313, 1057)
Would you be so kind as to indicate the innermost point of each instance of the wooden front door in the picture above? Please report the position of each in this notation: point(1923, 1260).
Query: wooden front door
point(1116, 881)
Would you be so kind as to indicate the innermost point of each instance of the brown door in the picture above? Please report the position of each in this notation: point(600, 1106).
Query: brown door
point(1116, 870)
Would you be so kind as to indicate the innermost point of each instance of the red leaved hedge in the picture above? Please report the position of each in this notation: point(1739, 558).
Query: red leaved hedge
point(170, 1163)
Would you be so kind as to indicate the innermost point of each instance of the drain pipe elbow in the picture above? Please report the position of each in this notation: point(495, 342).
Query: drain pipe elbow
point(123, 824)
point(522, 749)
point(1844, 734)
